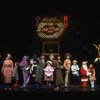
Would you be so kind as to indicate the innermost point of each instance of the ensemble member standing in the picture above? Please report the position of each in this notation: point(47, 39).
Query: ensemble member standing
point(75, 73)
point(67, 66)
point(24, 64)
point(7, 70)
point(92, 77)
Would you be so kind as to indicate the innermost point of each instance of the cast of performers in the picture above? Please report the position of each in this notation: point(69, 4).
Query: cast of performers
point(92, 77)
point(67, 66)
point(51, 71)
point(7, 71)
point(24, 64)
point(48, 73)
point(75, 73)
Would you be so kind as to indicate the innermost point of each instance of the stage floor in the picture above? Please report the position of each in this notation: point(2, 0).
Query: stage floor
point(44, 88)
point(70, 91)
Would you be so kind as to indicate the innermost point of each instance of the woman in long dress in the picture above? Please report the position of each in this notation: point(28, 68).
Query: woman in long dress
point(59, 76)
point(92, 77)
point(98, 48)
point(7, 71)
point(24, 64)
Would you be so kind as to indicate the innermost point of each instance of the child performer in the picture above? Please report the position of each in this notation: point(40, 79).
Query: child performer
point(92, 77)
point(48, 73)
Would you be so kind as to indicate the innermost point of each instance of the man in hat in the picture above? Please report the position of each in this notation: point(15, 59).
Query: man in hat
point(67, 66)
point(75, 73)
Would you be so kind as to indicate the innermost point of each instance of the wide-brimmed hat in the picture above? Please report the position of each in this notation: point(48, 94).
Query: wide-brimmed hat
point(68, 54)
point(74, 61)
point(84, 62)
point(49, 62)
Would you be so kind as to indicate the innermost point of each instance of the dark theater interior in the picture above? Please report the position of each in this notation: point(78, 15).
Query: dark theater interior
point(18, 36)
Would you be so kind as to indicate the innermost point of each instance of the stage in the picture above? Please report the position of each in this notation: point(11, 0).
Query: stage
point(44, 88)
point(44, 92)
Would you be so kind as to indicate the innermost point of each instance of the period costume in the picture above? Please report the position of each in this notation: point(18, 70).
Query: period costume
point(75, 73)
point(84, 75)
point(48, 72)
point(16, 74)
point(24, 64)
point(92, 77)
point(39, 72)
point(59, 77)
point(7, 70)
point(67, 66)
point(33, 67)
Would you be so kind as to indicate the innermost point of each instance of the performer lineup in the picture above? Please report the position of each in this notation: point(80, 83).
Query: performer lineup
point(52, 72)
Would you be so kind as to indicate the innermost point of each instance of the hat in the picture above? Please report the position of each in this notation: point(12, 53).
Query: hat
point(49, 62)
point(84, 62)
point(68, 54)
point(74, 61)
point(25, 57)
point(8, 55)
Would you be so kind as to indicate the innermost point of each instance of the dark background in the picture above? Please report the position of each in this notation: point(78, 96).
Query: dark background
point(18, 34)
point(17, 31)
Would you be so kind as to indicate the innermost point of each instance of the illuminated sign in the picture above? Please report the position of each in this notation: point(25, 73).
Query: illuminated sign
point(50, 27)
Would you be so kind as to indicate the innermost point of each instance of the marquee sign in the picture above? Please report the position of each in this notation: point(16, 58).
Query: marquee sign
point(50, 28)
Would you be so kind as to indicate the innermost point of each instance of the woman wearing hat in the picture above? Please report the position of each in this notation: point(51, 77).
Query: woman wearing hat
point(24, 64)
point(7, 70)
